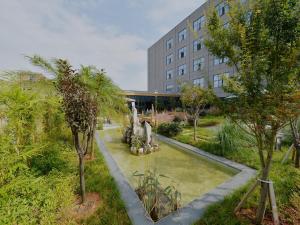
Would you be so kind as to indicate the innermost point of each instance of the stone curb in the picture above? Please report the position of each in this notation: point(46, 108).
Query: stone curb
point(193, 211)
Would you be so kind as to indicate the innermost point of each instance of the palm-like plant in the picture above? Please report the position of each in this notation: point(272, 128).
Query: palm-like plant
point(87, 94)
point(109, 97)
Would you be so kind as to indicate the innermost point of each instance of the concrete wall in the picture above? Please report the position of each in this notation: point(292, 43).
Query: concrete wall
point(157, 53)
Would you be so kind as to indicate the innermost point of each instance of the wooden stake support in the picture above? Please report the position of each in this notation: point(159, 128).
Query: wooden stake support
point(286, 156)
point(246, 196)
point(273, 204)
point(271, 195)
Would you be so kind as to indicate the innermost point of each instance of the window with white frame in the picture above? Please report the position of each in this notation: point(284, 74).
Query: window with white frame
point(199, 23)
point(218, 61)
point(182, 70)
point(170, 43)
point(199, 82)
point(198, 64)
point(169, 74)
point(182, 35)
point(222, 8)
point(218, 79)
point(169, 87)
point(182, 53)
point(198, 44)
point(169, 59)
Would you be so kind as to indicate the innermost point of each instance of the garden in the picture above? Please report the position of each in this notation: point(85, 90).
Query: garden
point(216, 135)
point(62, 163)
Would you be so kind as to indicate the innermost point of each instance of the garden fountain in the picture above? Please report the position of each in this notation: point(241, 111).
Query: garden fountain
point(138, 136)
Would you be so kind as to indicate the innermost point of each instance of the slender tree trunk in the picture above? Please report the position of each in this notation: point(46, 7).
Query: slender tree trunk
point(92, 149)
point(296, 136)
point(195, 126)
point(264, 188)
point(293, 154)
point(82, 181)
point(297, 156)
point(92, 139)
point(252, 188)
point(80, 154)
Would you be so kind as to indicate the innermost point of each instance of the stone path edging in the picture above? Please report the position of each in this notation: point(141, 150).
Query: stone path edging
point(193, 211)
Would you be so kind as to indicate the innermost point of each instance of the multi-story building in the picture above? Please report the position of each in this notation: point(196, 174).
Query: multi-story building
point(181, 56)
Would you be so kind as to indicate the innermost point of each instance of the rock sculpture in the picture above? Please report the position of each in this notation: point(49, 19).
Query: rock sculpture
point(139, 137)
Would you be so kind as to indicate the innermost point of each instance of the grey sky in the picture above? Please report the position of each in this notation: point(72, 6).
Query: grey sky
point(110, 34)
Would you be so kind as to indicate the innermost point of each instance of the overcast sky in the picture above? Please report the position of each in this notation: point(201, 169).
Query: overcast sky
point(110, 34)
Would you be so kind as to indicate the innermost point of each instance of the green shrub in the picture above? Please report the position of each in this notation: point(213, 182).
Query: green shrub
point(137, 141)
point(50, 159)
point(178, 119)
point(190, 121)
point(31, 200)
point(232, 138)
point(214, 111)
point(169, 129)
point(207, 123)
point(286, 183)
point(98, 179)
point(100, 124)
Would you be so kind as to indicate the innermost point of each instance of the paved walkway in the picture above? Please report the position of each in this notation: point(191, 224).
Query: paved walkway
point(108, 126)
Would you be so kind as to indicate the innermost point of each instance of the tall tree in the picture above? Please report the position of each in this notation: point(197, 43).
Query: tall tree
point(195, 99)
point(80, 110)
point(262, 43)
point(111, 101)
point(79, 107)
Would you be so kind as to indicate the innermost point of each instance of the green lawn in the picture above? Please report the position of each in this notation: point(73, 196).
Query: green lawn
point(285, 177)
point(98, 179)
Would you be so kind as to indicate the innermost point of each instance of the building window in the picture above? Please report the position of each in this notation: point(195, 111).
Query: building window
point(169, 87)
point(218, 61)
point(169, 59)
point(170, 43)
point(199, 23)
point(169, 74)
point(182, 35)
point(218, 79)
point(182, 70)
point(222, 8)
point(198, 45)
point(182, 53)
point(198, 64)
point(199, 82)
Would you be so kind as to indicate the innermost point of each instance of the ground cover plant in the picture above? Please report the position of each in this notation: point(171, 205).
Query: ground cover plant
point(169, 129)
point(111, 209)
point(38, 169)
point(31, 182)
point(286, 177)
